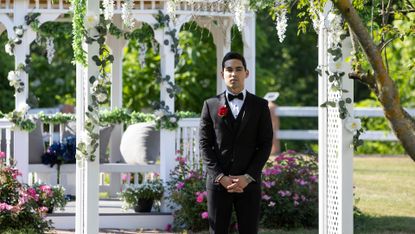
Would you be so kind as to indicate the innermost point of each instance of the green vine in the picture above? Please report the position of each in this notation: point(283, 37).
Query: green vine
point(116, 116)
point(79, 10)
point(18, 118)
point(32, 20)
point(58, 118)
point(335, 78)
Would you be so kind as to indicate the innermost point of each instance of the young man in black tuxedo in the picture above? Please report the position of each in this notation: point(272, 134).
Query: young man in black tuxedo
point(235, 143)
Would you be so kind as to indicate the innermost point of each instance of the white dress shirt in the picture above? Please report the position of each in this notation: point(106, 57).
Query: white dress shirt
point(235, 104)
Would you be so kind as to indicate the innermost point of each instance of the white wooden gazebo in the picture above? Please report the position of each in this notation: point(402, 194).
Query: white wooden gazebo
point(335, 155)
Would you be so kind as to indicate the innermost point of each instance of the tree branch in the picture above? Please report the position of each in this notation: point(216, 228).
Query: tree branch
point(365, 78)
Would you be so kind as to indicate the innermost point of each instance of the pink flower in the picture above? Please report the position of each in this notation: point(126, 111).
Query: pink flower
point(5, 206)
point(2, 155)
point(32, 193)
point(301, 182)
point(268, 184)
point(43, 209)
point(124, 178)
point(284, 193)
point(180, 185)
point(181, 160)
point(271, 204)
point(205, 215)
point(199, 198)
point(46, 189)
point(296, 203)
point(314, 178)
point(265, 197)
point(296, 197)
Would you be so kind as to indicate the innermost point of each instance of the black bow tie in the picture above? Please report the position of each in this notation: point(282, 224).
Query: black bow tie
point(239, 96)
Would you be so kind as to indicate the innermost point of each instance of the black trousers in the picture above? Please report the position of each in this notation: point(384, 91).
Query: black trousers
point(246, 205)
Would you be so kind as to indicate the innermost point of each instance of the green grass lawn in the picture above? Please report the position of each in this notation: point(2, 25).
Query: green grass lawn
point(385, 188)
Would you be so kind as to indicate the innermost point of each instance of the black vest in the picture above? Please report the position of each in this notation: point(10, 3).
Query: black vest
point(236, 122)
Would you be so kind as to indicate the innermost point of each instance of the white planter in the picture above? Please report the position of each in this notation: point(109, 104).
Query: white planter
point(140, 144)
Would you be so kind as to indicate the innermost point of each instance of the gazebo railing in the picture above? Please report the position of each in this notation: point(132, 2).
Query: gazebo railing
point(149, 6)
point(5, 138)
point(186, 142)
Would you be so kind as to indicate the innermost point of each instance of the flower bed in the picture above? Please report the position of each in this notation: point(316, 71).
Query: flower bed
point(23, 208)
point(289, 193)
point(19, 208)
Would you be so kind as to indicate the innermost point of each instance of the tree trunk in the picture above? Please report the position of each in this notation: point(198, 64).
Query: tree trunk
point(402, 124)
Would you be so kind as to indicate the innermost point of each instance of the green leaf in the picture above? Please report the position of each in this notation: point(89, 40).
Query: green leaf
point(92, 79)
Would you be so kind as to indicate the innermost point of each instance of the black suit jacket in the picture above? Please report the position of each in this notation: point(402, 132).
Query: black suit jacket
point(235, 152)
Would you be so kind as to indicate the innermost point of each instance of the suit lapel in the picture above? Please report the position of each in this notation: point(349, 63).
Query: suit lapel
point(246, 114)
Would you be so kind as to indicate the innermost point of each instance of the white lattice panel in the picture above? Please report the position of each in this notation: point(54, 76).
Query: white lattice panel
point(335, 154)
point(333, 165)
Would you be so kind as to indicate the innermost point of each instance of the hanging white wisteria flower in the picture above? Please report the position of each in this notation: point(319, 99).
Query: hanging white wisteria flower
point(238, 8)
point(91, 20)
point(126, 14)
point(108, 9)
point(314, 15)
point(281, 24)
point(50, 49)
point(353, 124)
point(142, 54)
point(280, 19)
point(171, 9)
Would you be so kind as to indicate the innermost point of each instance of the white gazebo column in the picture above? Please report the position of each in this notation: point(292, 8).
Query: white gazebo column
point(87, 171)
point(21, 146)
point(335, 153)
point(167, 137)
point(167, 63)
point(248, 38)
point(117, 50)
point(222, 39)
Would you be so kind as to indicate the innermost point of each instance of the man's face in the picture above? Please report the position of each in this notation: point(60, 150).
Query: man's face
point(234, 75)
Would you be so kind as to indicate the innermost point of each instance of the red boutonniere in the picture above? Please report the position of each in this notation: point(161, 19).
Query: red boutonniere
point(223, 111)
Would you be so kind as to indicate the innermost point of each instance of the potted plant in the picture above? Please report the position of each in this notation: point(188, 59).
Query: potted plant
point(50, 196)
point(142, 196)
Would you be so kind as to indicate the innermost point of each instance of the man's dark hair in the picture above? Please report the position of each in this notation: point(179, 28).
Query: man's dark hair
point(233, 55)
